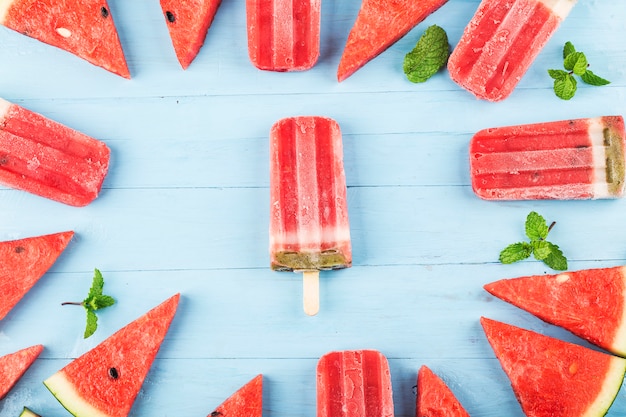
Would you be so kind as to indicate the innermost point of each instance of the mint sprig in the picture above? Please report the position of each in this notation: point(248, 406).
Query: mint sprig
point(429, 55)
point(95, 300)
point(537, 230)
point(575, 63)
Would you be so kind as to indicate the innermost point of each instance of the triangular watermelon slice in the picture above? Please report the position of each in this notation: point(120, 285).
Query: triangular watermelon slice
point(188, 23)
point(85, 28)
point(379, 24)
point(26, 412)
point(14, 365)
point(434, 398)
point(553, 378)
point(106, 380)
point(246, 402)
point(23, 262)
point(589, 303)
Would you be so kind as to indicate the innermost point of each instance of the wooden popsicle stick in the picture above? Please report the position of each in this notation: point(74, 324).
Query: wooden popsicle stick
point(311, 292)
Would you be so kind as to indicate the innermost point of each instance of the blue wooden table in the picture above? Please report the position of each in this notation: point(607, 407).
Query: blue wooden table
point(185, 209)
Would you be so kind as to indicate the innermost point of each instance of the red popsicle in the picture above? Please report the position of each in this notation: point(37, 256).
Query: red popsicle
point(46, 158)
point(501, 42)
point(569, 159)
point(283, 35)
point(309, 228)
point(354, 383)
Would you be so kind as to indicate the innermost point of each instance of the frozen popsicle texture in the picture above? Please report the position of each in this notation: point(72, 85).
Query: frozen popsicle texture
point(309, 227)
point(354, 384)
point(48, 159)
point(500, 43)
point(569, 159)
point(283, 35)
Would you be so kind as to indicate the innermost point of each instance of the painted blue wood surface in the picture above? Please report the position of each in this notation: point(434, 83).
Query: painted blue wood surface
point(185, 209)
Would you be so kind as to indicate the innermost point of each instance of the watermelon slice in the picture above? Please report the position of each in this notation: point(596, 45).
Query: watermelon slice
point(106, 380)
point(188, 23)
point(246, 402)
point(23, 262)
point(26, 412)
point(553, 378)
point(434, 398)
point(379, 24)
point(589, 303)
point(85, 28)
point(14, 365)
point(48, 159)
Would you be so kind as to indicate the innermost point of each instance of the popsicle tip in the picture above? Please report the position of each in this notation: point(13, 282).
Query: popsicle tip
point(311, 292)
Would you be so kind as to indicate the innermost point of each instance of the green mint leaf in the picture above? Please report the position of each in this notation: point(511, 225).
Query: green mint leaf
point(592, 79)
point(92, 324)
point(429, 55)
point(558, 74)
point(95, 301)
point(536, 226)
point(541, 249)
point(97, 284)
point(555, 259)
point(515, 252)
point(566, 88)
point(576, 62)
point(568, 49)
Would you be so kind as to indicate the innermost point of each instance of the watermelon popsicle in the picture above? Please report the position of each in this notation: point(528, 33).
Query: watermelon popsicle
point(283, 35)
point(309, 228)
point(500, 43)
point(354, 383)
point(564, 160)
point(48, 159)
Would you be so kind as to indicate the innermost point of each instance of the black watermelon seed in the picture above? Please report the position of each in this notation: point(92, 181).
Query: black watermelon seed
point(104, 12)
point(113, 373)
point(19, 249)
point(170, 17)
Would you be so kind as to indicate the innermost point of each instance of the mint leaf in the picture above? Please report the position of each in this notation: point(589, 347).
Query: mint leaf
point(555, 259)
point(95, 300)
point(536, 226)
point(576, 62)
point(537, 231)
point(568, 49)
point(566, 88)
point(92, 324)
point(429, 55)
point(515, 252)
point(592, 79)
point(558, 74)
point(541, 249)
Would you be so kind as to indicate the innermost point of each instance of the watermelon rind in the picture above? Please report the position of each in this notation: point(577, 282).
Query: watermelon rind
point(610, 387)
point(26, 412)
point(65, 393)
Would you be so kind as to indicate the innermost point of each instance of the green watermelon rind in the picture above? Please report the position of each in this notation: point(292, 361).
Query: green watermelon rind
point(26, 412)
point(610, 387)
point(63, 390)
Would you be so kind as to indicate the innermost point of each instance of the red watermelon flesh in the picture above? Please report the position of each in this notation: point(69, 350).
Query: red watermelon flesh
point(434, 398)
point(85, 28)
point(246, 402)
point(379, 24)
point(49, 159)
point(23, 262)
point(188, 23)
point(14, 365)
point(106, 380)
point(589, 303)
point(553, 378)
